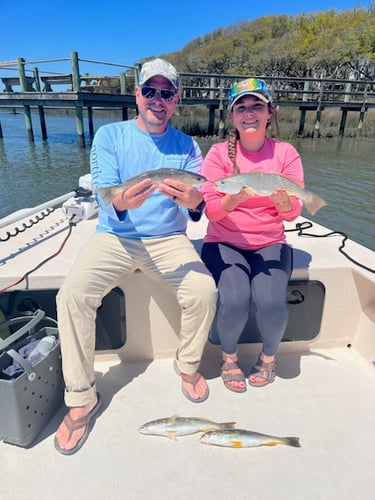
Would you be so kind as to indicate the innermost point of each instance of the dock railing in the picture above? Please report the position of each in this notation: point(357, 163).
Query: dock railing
point(284, 90)
point(196, 87)
point(207, 90)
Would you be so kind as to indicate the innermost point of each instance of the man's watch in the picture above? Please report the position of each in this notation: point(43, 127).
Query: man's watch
point(199, 208)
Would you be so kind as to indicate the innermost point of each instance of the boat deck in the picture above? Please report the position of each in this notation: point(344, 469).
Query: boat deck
point(325, 397)
point(324, 393)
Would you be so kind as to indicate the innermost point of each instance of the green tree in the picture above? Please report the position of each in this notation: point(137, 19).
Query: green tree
point(330, 44)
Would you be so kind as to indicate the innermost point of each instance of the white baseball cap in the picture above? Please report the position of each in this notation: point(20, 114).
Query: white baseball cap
point(158, 67)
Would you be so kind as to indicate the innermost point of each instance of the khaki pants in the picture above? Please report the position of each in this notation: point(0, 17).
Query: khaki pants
point(102, 261)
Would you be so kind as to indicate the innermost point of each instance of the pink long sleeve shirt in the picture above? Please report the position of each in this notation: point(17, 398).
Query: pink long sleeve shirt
point(255, 222)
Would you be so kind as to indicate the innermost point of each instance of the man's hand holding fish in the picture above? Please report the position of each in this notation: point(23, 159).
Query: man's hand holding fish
point(170, 181)
point(181, 193)
point(134, 196)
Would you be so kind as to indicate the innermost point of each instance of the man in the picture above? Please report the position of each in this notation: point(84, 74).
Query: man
point(142, 228)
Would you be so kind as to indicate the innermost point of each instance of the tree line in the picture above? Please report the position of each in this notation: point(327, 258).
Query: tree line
point(328, 44)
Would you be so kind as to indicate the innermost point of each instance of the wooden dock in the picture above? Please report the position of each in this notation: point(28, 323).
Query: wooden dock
point(210, 91)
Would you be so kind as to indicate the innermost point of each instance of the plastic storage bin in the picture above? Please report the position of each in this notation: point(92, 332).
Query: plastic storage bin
point(28, 401)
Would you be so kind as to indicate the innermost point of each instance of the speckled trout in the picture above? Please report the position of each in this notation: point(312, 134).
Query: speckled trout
point(155, 176)
point(240, 438)
point(174, 426)
point(262, 183)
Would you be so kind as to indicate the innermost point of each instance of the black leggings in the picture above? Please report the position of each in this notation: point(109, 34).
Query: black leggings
point(243, 276)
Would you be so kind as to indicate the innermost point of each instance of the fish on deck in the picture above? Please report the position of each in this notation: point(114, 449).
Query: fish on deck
point(241, 438)
point(174, 426)
point(262, 183)
point(156, 176)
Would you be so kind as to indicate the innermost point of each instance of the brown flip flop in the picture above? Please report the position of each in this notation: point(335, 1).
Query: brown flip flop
point(73, 425)
point(193, 380)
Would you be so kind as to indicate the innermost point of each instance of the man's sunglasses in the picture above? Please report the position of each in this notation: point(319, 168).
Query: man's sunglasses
point(150, 92)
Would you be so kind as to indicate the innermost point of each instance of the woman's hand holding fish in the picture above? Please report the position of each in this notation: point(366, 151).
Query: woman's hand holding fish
point(282, 201)
point(134, 196)
point(181, 193)
point(230, 201)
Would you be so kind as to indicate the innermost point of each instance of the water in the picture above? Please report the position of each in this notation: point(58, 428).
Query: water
point(341, 170)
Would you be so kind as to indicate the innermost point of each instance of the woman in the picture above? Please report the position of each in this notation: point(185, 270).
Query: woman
point(245, 247)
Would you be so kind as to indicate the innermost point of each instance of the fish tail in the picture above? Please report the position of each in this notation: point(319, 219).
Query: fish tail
point(106, 194)
point(313, 203)
point(215, 427)
point(289, 441)
point(292, 441)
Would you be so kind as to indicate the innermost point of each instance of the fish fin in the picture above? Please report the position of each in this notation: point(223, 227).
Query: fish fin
point(106, 194)
point(207, 429)
point(274, 442)
point(236, 443)
point(228, 425)
point(171, 435)
point(292, 441)
point(172, 419)
point(249, 191)
point(313, 203)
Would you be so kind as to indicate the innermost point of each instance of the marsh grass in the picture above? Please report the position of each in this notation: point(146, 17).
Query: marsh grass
point(194, 121)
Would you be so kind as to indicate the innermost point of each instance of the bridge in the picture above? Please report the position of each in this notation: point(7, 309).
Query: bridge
point(207, 91)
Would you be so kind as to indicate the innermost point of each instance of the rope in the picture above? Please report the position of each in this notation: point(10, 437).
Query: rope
point(300, 227)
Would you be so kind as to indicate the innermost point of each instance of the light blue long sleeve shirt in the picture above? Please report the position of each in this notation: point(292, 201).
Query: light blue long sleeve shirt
point(121, 151)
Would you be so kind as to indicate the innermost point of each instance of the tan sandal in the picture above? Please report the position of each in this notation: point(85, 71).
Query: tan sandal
point(228, 366)
point(262, 370)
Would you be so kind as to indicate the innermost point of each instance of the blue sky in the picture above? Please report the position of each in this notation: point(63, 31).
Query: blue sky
point(124, 32)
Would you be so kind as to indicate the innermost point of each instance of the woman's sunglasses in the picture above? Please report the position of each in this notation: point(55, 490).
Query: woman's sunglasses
point(150, 92)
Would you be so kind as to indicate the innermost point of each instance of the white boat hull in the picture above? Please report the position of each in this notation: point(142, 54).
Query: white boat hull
point(324, 393)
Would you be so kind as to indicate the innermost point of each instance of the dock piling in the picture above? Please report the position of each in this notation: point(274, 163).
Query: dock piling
point(42, 118)
point(76, 83)
point(26, 107)
point(363, 110)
